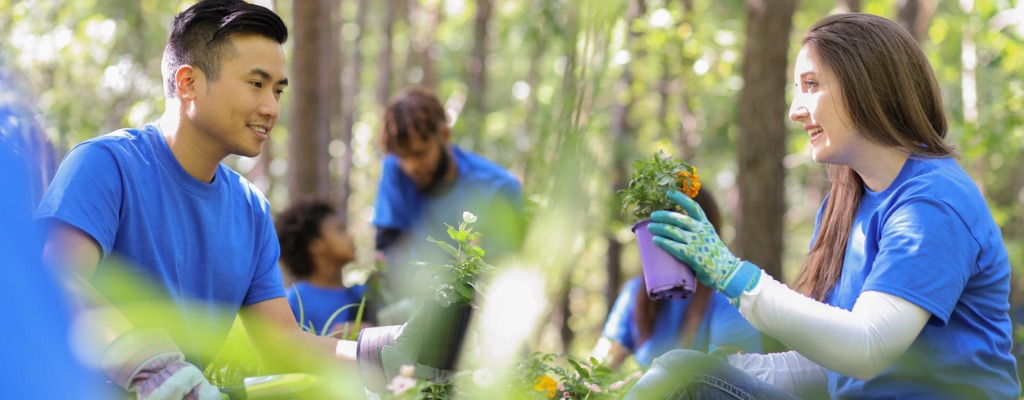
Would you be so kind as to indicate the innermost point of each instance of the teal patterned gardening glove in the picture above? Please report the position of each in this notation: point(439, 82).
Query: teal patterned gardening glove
point(692, 239)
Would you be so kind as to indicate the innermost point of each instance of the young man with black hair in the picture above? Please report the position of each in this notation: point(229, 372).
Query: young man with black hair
point(159, 198)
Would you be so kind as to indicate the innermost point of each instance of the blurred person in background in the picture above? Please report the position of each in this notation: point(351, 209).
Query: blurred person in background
point(315, 248)
point(38, 358)
point(428, 182)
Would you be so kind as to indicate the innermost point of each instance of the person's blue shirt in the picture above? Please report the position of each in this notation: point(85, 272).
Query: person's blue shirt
point(930, 239)
point(211, 247)
point(37, 358)
point(320, 303)
point(483, 188)
point(721, 326)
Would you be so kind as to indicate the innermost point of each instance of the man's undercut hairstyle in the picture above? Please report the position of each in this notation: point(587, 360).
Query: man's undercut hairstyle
point(297, 227)
point(417, 111)
point(199, 35)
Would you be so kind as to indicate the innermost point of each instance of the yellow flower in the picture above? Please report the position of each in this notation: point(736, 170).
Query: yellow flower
point(689, 183)
point(547, 386)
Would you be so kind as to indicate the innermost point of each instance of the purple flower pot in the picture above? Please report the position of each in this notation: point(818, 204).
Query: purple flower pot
point(665, 276)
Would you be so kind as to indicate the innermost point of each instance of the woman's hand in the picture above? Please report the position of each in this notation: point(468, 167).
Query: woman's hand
point(692, 239)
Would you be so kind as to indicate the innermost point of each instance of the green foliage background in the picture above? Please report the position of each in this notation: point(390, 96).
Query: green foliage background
point(92, 66)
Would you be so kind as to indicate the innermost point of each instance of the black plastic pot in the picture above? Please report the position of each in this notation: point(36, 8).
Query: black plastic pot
point(443, 333)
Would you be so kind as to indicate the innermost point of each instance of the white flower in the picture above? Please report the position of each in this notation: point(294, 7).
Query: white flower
point(593, 388)
point(400, 384)
point(468, 217)
point(407, 370)
point(617, 385)
point(483, 377)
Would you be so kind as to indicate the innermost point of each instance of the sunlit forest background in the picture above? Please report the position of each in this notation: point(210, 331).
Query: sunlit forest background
point(565, 93)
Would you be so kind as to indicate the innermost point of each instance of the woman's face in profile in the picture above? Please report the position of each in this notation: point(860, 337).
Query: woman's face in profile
point(818, 104)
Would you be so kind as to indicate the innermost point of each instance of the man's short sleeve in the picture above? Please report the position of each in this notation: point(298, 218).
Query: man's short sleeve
point(266, 281)
point(86, 193)
point(392, 208)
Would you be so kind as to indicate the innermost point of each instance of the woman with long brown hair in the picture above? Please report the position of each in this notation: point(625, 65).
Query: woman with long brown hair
point(704, 321)
point(905, 290)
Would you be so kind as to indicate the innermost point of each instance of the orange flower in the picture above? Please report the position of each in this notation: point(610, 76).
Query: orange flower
point(689, 183)
point(547, 386)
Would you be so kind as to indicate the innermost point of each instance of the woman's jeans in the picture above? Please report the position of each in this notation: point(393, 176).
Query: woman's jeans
point(688, 374)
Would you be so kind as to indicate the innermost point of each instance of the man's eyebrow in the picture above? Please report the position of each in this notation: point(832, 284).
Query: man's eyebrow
point(266, 76)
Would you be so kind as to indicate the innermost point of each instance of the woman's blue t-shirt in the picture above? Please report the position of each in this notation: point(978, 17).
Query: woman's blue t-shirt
point(929, 238)
point(721, 326)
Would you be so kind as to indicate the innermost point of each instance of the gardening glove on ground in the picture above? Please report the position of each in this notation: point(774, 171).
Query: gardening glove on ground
point(148, 363)
point(692, 239)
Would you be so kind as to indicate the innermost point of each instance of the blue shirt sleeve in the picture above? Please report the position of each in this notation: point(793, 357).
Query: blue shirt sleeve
point(86, 193)
point(395, 204)
point(918, 236)
point(266, 281)
point(619, 327)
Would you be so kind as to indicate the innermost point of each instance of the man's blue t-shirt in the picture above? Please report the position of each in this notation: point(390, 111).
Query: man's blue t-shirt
point(930, 239)
point(318, 304)
point(211, 247)
point(483, 187)
point(722, 325)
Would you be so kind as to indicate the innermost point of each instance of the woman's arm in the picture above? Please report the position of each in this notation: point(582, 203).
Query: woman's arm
point(613, 353)
point(788, 371)
point(860, 343)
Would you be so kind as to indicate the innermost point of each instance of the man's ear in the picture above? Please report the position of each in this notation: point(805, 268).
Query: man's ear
point(185, 82)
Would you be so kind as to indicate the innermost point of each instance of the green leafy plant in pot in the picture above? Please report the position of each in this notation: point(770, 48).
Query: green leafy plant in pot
point(457, 283)
point(665, 276)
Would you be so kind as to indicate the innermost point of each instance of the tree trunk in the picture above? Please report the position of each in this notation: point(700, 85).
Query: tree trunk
point(687, 122)
point(915, 16)
point(686, 140)
point(384, 59)
point(330, 98)
point(762, 134)
point(476, 70)
point(665, 90)
point(421, 55)
point(564, 311)
point(623, 137)
point(529, 127)
point(349, 109)
point(310, 126)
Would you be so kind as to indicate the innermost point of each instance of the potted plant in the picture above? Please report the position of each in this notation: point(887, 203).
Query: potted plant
point(665, 276)
point(456, 285)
